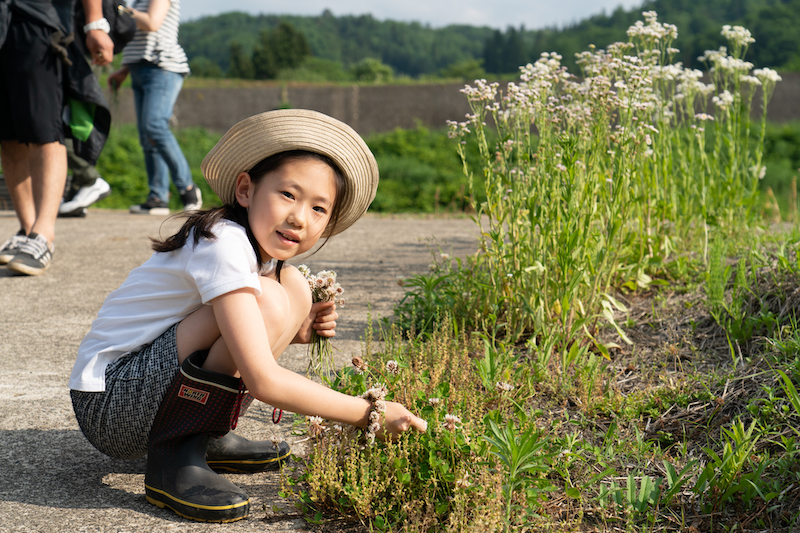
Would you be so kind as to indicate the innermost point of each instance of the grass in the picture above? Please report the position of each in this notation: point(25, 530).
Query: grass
point(672, 432)
point(620, 353)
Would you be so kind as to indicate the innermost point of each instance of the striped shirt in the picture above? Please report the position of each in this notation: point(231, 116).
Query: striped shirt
point(159, 47)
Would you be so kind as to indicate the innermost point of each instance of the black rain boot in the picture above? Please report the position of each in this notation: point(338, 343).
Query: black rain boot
point(233, 453)
point(198, 405)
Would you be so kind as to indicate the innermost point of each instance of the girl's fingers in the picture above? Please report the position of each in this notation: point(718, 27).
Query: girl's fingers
point(325, 311)
point(419, 424)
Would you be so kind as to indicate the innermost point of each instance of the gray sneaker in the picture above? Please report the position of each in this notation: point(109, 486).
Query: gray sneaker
point(11, 247)
point(34, 256)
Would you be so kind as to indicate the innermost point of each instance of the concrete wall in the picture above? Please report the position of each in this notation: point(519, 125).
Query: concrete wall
point(368, 109)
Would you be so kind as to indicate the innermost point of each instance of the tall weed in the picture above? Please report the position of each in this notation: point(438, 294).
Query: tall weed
point(620, 174)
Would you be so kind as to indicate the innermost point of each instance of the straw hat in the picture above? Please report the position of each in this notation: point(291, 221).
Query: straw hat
point(260, 136)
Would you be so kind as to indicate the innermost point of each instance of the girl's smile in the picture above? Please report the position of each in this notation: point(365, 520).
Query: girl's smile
point(290, 207)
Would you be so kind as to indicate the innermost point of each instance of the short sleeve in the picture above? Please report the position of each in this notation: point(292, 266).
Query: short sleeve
point(225, 264)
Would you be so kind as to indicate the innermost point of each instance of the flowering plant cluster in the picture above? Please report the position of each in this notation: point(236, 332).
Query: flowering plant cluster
point(324, 288)
point(476, 446)
point(598, 178)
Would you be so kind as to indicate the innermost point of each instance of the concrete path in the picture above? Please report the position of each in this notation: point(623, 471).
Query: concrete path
point(51, 478)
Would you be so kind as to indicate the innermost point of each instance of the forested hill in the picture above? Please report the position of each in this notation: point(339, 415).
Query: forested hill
point(415, 50)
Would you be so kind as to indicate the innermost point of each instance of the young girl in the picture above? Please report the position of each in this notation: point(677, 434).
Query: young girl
point(178, 351)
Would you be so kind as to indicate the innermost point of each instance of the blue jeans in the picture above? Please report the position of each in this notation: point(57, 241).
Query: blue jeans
point(155, 91)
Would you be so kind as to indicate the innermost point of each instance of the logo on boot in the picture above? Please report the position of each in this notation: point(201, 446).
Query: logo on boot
point(196, 395)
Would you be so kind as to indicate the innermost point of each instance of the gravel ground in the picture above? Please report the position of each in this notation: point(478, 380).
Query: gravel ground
point(51, 478)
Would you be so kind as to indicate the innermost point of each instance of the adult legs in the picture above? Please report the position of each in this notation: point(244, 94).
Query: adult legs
point(155, 94)
point(35, 176)
point(86, 188)
point(31, 128)
point(84, 174)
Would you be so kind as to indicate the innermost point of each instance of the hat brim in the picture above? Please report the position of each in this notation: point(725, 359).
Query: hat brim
point(266, 134)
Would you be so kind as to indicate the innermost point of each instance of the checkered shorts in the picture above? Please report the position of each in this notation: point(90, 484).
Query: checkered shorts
point(117, 421)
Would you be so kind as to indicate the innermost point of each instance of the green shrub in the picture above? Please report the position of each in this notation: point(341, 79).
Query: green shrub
point(421, 171)
point(122, 165)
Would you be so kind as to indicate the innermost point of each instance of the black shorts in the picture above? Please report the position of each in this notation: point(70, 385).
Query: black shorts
point(31, 84)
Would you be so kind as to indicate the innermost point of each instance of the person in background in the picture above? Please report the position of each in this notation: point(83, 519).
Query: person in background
point(85, 188)
point(33, 55)
point(157, 65)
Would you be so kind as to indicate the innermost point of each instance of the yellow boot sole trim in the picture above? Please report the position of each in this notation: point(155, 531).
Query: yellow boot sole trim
point(160, 504)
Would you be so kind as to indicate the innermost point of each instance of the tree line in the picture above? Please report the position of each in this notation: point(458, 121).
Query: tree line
point(347, 48)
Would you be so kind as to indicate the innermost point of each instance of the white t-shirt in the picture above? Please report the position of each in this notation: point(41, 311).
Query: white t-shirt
point(161, 292)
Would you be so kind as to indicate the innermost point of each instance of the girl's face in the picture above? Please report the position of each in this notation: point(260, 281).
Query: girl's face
point(289, 208)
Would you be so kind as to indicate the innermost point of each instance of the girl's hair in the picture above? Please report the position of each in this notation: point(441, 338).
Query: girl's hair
point(203, 221)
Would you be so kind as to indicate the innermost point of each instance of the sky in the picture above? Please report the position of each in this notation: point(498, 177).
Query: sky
point(500, 14)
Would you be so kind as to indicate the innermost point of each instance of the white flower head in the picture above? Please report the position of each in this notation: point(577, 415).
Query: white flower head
point(759, 171)
point(767, 75)
point(502, 386)
point(450, 422)
point(737, 35)
point(315, 427)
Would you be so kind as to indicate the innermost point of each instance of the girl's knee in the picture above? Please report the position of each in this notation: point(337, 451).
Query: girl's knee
point(290, 299)
point(297, 290)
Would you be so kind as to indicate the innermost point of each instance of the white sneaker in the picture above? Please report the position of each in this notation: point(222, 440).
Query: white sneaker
point(85, 197)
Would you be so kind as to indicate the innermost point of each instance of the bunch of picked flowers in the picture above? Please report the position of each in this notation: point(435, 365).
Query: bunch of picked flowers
point(324, 288)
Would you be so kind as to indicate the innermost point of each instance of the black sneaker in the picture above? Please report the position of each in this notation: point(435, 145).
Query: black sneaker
point(153, 206)
point(192, 199)
point(34, 256)
point(11, 247)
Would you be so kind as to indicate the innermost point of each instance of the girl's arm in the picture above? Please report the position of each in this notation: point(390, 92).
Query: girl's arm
point(245, 337)
point(151, 19)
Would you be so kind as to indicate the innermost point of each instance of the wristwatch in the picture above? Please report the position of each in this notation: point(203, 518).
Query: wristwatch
point(99, 24)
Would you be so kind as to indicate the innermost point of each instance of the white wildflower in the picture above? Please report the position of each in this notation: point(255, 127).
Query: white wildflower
point(502, 386)
point(767, 75)
point(737, 35)
point(759, 170)
point(315, 427)
point(450, 422)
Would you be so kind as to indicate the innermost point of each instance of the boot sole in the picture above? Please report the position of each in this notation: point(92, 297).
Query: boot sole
point(248, 467)
point(200, 513)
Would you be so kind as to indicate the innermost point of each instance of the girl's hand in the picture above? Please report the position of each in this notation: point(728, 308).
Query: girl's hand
point(398, 419)
point(321, 319)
